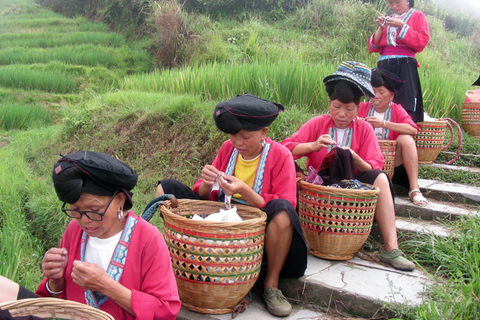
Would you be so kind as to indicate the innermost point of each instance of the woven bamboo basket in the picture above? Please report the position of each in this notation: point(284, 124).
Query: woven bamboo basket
point(53, 308)
point(215, 263)
point(335, 222)
point(471, 118)
point(388, 148)
point(429, 140)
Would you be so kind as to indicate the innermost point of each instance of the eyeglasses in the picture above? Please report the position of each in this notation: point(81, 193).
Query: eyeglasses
point(92, 215)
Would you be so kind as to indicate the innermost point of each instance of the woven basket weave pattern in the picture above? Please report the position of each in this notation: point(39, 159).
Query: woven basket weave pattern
point(471, 118)
point(55, 309)
point(429, 140)
point(388, 148)
point(215, 263)
point(335, 222)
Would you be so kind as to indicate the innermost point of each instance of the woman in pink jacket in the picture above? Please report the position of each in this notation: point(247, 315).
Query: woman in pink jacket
point(398, 38)
point(108, 258)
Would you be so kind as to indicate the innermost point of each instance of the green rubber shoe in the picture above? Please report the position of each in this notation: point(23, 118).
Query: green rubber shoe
point(396, 258)
point(276, 302)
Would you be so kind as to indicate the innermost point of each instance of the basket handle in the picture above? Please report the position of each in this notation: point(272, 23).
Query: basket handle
point(152, 206)
point(460, 138)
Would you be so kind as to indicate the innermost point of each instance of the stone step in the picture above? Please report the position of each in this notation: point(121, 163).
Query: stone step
point(435, 210)
point(445, 191)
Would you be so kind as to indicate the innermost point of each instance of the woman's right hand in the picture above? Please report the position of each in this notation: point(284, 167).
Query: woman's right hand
point(381, 21)
point(54, 262)
point(209, 174)
point(324, 141)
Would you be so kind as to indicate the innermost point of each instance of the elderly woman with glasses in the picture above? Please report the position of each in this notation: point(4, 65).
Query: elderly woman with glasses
point(108, 258)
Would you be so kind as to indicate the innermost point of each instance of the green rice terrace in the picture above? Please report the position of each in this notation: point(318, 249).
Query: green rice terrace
point(141, 85)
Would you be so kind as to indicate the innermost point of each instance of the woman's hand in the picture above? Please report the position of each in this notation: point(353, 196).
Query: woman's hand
point(375, 122)
point(89, 276)
point(360, 164)
point(324, 141)
point(54, 262)
point(381, 21)
point(209, 175)
point(231, 185)
point(394, 22)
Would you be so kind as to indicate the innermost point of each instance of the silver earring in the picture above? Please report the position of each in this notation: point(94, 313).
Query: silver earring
point(263, 143)
point(120, 215)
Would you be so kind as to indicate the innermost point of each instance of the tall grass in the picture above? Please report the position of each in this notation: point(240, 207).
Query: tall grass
point(87, 55)
point(285, 82)
point(20, 116)
point(53, 39)
point(24, 77)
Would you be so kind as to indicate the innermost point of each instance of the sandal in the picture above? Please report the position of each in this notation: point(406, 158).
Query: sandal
point(419, 199)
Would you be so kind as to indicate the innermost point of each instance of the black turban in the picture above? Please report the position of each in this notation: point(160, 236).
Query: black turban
point(382, 77)
point(245, 112)
point(94, 173)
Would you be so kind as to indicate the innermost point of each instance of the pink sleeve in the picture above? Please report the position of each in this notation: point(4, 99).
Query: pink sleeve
point(158, 295)
point(415, 35)
point(374, 47)
point(281, 182)
point(308, 132)
point(366, 145)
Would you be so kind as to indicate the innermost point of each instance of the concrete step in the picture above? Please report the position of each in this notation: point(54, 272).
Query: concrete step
point(363, 285)
point(449, 192)
point(435, 210)
point(359, 286)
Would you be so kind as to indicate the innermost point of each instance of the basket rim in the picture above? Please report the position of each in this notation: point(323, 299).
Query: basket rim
point(254, 221)
point(54, 303)
point(320, 188)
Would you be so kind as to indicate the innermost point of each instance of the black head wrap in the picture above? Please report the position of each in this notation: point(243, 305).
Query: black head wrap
point(245, 112)
point(382, 77)
point(94, 173)
point(477, 83)
point(343, 90)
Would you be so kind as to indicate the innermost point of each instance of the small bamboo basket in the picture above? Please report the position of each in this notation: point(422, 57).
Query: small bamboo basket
point(215, 263)
point(335, 222)
point(388, 148)
point(471, 118)
point(53, 308)
point(429, 140)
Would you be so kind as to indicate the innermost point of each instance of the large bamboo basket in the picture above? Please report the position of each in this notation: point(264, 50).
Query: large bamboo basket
point(215, 263)
point(471, 118)
point(53, 308)
point(388, 148)
point(335, 222)
point(429, 140)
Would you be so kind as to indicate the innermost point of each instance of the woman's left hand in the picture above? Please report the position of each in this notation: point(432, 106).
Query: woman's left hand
point(89, 276)
point(230, 184)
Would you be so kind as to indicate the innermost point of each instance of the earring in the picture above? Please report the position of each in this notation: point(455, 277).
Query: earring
point(263, 143)
point(120, 215)
point(328, 114)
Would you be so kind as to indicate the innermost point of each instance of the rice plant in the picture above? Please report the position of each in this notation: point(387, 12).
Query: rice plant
point(20, 116)
point(26, 78)
point(53, 39)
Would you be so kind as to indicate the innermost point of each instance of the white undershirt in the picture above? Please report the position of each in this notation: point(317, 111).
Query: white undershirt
point(100, 251)
point(379, 131)
point(340, 135)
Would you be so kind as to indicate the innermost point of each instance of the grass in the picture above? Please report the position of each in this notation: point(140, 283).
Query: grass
point(161, 122)
point(19, 116)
